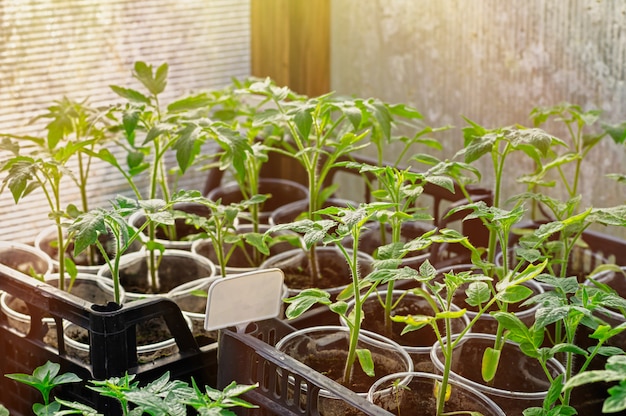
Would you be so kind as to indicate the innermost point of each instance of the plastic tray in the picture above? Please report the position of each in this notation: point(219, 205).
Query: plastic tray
point(113, 345)
point(252, 358)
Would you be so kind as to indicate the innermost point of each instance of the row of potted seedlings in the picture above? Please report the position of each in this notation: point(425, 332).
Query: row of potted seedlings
point(485, 305)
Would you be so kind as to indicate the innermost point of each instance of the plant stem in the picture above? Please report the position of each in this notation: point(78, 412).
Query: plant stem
point(152, 262)
point(358, 302)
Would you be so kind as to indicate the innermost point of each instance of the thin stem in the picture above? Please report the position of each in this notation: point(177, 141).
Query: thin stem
point(152, 261)
point(358, 302)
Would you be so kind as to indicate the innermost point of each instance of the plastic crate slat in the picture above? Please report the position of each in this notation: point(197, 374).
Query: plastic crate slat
point(237, 350)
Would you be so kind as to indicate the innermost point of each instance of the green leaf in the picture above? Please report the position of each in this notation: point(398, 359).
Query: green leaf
point(366, 361)
point(187, 146)
point(130, 94)
point(443, 181)
point(413, 322)
point(534, 411)
point(451, 314)
point(616, 131)
point(478, 148)
point(304, 122)
point(304, 300)
point(51, 409)
point(477, 293)
point(514, 294)
point(617, 400)
point(192, 102)
point(87, 228)
point(535, 137)
point(76, 408)
point(155, 84)
point(491, 358)
point(593, 376)
point(546, 316)
point(511, 322)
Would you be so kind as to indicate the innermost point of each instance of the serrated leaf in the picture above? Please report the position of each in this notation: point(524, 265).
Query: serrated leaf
point(187, 146)
point(304, 122)
point(192, 102)
point(477, 293)
point(304, 300)
point(154, 83)
point(87, 228)
point(130, 94)
point(514, 294)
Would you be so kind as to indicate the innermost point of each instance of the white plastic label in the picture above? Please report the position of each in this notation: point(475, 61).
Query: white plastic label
point(244, 298)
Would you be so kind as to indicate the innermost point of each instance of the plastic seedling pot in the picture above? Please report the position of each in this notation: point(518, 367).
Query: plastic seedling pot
point(240, 299)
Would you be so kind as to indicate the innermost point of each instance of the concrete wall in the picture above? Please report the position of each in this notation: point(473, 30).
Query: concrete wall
point(492, 61)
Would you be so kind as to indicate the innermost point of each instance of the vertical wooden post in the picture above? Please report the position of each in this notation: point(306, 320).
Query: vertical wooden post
point(291, 43)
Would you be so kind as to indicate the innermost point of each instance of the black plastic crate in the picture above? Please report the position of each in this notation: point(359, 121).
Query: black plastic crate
point(250, 357)
point(113, 345)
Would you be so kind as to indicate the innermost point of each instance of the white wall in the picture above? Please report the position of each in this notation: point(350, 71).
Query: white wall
point(77, 48)
point(492, 61)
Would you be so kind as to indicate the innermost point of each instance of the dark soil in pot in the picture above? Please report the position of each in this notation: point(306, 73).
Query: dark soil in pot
point(177, 271)
point(281, 192)
point(193, 305)
point(334, 272)
point(509, 376)
point(175, 268)
point(331, 363)
point(325, 350)
point(86, 288)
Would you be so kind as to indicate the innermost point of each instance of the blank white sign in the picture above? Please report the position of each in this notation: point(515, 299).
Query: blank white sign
point(244, 298)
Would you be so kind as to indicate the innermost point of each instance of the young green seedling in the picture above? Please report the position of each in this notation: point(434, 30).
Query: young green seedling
point(343, 223)
point(573, 305)
point(614, 371)
point(180, 127)
point(88, 227)
point(220, 227)
point(44, 379)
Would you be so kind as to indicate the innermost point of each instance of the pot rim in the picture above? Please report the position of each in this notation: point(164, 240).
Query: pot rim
point(141, 349)
point(437, 377)
point(364, 335)
point(50, 231)
point(492, 391)
point(284, 256)
point(100, 281)
point(128, 257)
point(31, 250)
